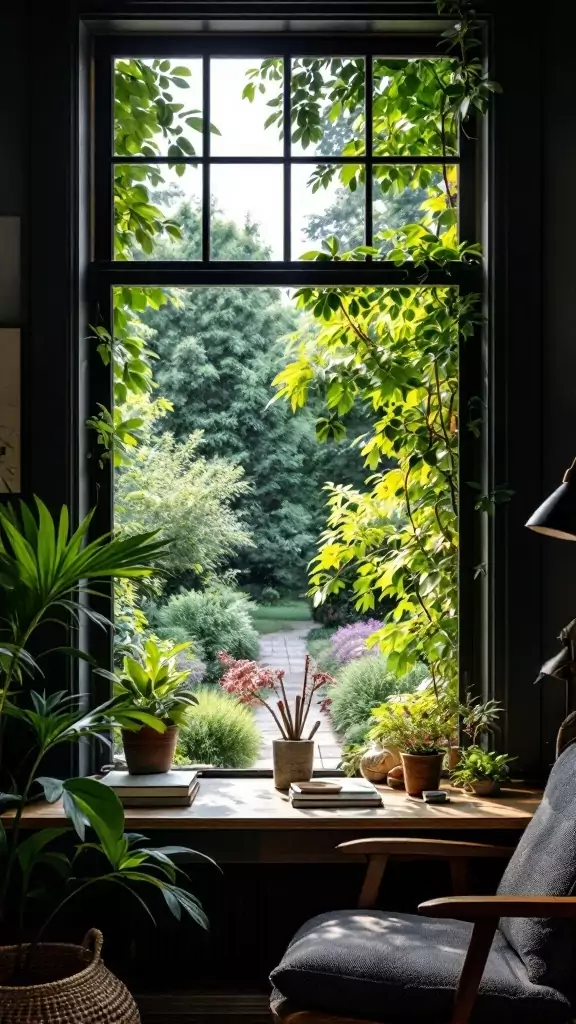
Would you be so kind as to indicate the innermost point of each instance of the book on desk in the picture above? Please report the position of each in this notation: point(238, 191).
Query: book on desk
point(169, 789)
point(335, 793)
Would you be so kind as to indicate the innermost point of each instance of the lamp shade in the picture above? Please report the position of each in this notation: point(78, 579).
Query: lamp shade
point(556, 517)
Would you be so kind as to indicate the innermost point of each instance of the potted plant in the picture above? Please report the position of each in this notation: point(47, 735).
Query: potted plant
point(480, 771)
point(293, 752)
point(152, 696)
point(43, 572)
point(420, 726)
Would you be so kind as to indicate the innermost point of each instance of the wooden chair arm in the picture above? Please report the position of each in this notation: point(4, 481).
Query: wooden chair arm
point(380, 849)
point(391, 847)
point(476, 908)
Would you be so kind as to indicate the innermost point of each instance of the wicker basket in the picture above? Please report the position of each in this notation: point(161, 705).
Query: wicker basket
point(71, 986)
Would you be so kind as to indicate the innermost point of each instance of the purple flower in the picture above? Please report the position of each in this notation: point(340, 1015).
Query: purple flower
point(349, 642)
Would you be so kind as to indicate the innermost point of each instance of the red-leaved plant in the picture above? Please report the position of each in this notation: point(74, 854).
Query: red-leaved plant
point(248, 682)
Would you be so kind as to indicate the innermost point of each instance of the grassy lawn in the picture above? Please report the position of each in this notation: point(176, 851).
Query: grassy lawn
point(274, 618)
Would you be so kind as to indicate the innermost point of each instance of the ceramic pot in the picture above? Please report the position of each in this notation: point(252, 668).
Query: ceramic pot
point(68, 985)
point(483, 787)
point(149, 752)
point(421, 771)
point(378, 760)
point(293, 761)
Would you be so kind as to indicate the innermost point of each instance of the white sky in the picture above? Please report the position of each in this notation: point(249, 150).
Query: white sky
point(247, 192)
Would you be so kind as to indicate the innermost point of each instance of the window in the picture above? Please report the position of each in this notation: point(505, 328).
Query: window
point(218, 234)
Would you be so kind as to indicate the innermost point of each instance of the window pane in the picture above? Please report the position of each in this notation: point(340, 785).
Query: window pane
point(239, 108)
point(157, 212)
point(247, 198)
point(407, 118)
point(157, 104)
point(324, 204)
point(412, 194)
point(327, 106)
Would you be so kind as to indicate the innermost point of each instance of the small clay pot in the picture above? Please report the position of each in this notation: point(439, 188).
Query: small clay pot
point(395, 777)
point(148, 752)
point(483, 787)
point(378, 760)
point(293, 761)
point(421, 771)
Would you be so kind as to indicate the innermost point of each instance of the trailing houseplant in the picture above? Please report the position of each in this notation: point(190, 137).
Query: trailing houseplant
point(45, 573)
point(293, 752)
point(151, 698)
point(480, 771)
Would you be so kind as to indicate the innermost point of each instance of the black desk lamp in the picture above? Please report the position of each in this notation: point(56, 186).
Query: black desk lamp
point(556, 517)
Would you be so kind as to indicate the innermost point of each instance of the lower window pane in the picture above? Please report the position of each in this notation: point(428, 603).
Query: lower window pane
point(247, 212)
point(290, 532)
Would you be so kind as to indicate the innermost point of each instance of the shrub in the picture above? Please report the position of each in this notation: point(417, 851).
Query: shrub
point(220, 731)
point(349, 642)
point(217, 619)
point(269, 595)
point(363, 685)
point(319, 645)
point(357, 735)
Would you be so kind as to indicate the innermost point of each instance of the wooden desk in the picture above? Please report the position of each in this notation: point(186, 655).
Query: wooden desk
point(268, 829)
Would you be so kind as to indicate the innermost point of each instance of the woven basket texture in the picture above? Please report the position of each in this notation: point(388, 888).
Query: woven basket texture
point(69, 985)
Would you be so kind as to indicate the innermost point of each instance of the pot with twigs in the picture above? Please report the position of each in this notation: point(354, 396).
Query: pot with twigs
point(293, 751)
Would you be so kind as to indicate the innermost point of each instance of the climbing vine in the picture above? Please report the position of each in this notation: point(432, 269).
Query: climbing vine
point(395, 350)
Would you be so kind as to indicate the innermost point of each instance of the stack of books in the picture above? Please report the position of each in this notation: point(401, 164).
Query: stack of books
point(334, 793)
point(170, 789)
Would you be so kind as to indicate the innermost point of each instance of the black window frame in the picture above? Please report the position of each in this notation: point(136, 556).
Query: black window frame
point(104, 274)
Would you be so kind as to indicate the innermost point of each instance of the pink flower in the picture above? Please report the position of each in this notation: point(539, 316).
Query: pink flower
point(244, 679)
point(325, 705)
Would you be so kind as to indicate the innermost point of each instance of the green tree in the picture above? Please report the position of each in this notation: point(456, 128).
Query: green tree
point(219, 350)
point(172, 486)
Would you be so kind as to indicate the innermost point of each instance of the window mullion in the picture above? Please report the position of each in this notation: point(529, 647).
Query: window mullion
point(206, 198)
point(287, 113)
point(369, 144)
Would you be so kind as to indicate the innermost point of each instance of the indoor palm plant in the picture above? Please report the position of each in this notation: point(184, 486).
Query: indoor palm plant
point(480, 771)
point(152, 696)
point(45, 573)
point(420, 725)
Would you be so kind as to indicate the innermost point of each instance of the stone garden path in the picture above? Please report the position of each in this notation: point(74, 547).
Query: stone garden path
point(287, 650)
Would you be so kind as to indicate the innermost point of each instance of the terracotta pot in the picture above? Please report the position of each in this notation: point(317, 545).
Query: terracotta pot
point(293, 761)
point(421, 771)
point(483, 787)
point(454, 756)
point(68, 985)
point(149, 752)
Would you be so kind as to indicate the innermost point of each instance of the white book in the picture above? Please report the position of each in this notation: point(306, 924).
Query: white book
point(174, 782)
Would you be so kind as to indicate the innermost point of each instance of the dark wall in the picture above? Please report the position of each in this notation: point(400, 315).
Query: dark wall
point(533, 362)
point(559, 324)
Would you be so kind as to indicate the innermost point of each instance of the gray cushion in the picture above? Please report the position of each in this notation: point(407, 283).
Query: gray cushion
point(402, 968)
point(544, 863)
